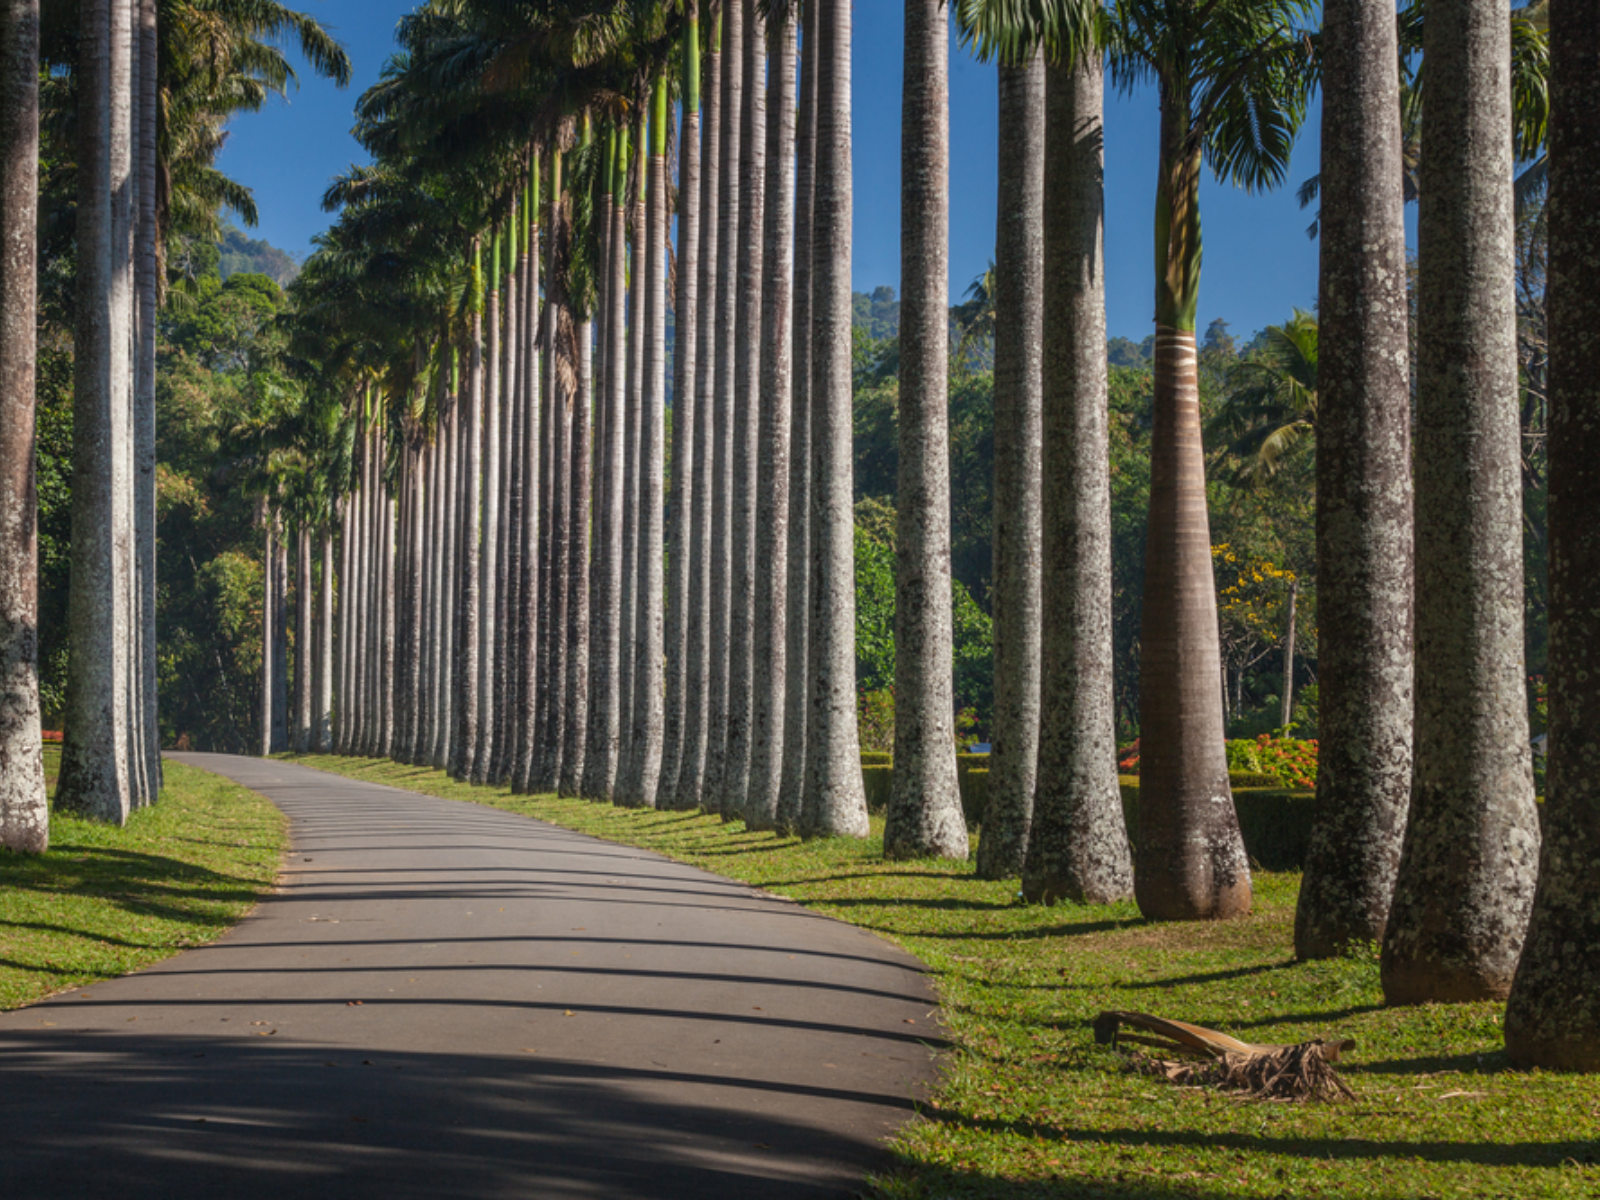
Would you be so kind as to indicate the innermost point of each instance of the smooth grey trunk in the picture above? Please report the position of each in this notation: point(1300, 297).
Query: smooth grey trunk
point(428, 604)
point(770, 649)
point(94, 756)
point(303, 656)
point(746, 421)
point(924, 818)
point(489, 631)
point(533, 515)
point(24, 808)
point(577, 664)
point(1018, 450)
point(325, 649)
point(386, 649)
point(685, 420)
point(1364, 518)
point(632, 415)
point(1078, 840)
point(713, 778)
point(560, 495)
point(638, 788)
point(686, 793)
point(605, 715)
point(465, 743)
point(122, 345)
point(344, 656)
point(1553, 1016)
point(507, 653)
point(1470, 856)
point(269, 560)
point(835, 802)
point(146, 268)
point(1287, 706)
point(797, 664)
point(280, 637)
point(450, 491)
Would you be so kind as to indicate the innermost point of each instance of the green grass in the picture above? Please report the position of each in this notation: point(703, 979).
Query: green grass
point(1031, 1107)
point(105, 901)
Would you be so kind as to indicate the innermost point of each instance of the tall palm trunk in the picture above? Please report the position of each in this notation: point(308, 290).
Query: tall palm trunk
point(600, 768)
point(646, 710)
point(489, 631)
point(835, 800)
point(1192, 863)
point(280, 636)
point(269, 562)
point(467, 708)
point(510, 572)
point(1078, 842)
point(427, 604)
point(556, 485)
point(770, 646)
point(1470, 857)
point(746, 421)
point(146, 269)
point(730, 198)
point(797, 665)
point(1018, 452)
point(346, 653)
point(633, 410)
point(302, 641)
point(129, 688)
point(24, 809)
point(685, 418)
point(325, 649)
point(94, 758)
point(577, 664)
point(925, 816)
point(1364, 524)
point(686, 792)
point(1551, 1018)
point(533, 513)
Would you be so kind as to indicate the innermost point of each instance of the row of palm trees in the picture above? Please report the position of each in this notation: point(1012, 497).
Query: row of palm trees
point(145, 88)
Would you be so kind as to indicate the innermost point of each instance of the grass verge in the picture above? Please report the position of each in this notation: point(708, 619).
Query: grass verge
point(1031, 1107)
point(105, 901)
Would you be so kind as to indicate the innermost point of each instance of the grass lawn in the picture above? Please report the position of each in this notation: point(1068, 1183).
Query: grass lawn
point(1031, 1107)
point(105, 901)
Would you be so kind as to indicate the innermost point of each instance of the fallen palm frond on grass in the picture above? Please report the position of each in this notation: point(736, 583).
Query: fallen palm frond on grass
point(1207, 1058)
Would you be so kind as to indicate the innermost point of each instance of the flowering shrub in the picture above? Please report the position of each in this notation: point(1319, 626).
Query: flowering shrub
point(52, 736)
point(1538, 706)
point(1292, 760)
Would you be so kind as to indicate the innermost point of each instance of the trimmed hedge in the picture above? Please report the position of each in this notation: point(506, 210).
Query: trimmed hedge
point(1253, 779)
point(876, 758)
point(879, 780)
point(1275, 822)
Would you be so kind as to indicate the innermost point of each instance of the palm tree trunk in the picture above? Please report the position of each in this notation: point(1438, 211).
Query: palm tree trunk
point(24, 808)
point(129, 688)
point(346, 654)
point(1078, 843)
point(467, 709)
point(646, 709)
point(280, 637)
point(925, 816)
point(489, 578)
point(94, 757)
point(686, 792)
point(746, 421)
point(686, 311)
point(633, 409)
point(1364, 520)
point(325, 649)
point(533, 514)
point(1018, 455)
point(510, 516)
point(1551, 1019)
point(1192, 863)
point(1470, 856)
point(553, 737)
point(302, 641)
point(146, 269)
point(797, 665)
point(769, 661)
point(269, 560)
point(714, 780)
point(835, 802)
point(577, 614)
point(600, 767)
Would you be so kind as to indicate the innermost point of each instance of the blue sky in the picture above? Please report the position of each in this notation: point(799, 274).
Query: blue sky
point(1259, 264)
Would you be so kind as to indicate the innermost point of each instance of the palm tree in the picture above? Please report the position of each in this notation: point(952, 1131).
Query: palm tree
point(1232, 92)
point(1551, 1020)
point(770, 646)
point(1354, 386)
point(24, 809)
point(835, 802)
point(685, 421)
point(925, 816)
point(1270, 411)
point(1469, 862)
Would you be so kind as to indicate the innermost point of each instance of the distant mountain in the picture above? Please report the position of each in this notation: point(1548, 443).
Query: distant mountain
point(242, 255)
point(878, 314)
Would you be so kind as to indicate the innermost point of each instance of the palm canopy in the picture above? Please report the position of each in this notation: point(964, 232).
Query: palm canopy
point(1270, 412)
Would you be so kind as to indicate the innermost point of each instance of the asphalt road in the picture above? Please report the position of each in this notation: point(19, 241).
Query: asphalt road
point(442, 1000)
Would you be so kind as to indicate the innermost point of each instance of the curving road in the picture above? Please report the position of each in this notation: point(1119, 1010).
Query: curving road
point(443, 1000)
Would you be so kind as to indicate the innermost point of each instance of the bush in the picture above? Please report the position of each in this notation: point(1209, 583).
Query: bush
point(974, 792)
point(876, 758)
point(1253, 779)
point(879, 781)
point(1275, 823)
